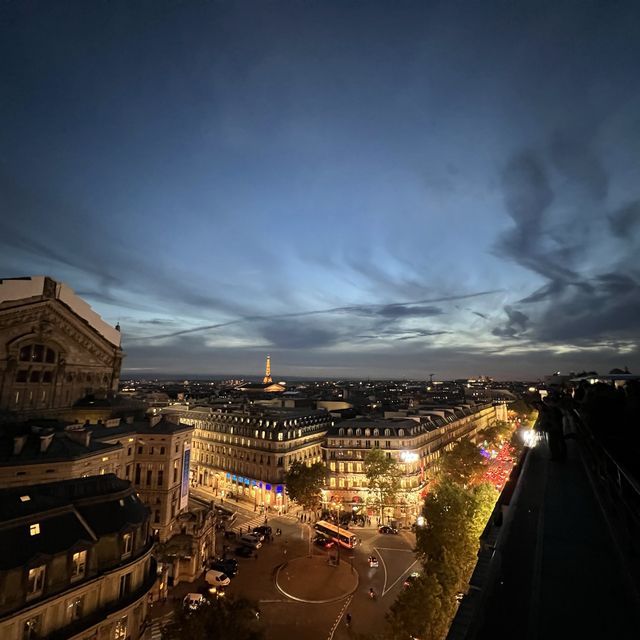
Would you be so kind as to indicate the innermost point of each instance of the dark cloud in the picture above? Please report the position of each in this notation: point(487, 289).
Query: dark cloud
point(386, 312)
point(407, 311)
point(528, 196)
point(517, 323)
point(625, 222)
point(610, 313)
point(558, 233)
point(574, 157)
point(422, 333)
point(290, 334)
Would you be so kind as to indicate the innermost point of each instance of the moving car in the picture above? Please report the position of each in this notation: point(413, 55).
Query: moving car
point(373, 562)
point(249, 540)
point(193, 600)
point(228, 566)
point(387, 529)
point(217, 578)
point(258, 536)
point(263, 530)
point(410, 579)
point(323, 542)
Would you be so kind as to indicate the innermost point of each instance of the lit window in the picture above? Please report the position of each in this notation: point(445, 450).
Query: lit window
point(31, 628)
point(79, 561)
point(127, 540)
point(34, 529)
point(36, 581)
point(74, 609)
point(120, 629)
point(24, 498)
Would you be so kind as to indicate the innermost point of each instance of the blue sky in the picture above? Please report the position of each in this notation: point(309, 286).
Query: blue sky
point(384, 189)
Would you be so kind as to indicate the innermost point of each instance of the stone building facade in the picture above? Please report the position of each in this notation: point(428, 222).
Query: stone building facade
point(54, 349)
point(414, 442)
point(80, 566)
point(155, 458)
point(246, 450)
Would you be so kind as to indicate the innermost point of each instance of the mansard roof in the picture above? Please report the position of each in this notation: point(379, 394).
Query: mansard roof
point(68, 514)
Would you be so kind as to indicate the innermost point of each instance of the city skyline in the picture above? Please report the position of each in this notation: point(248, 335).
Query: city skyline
point(383, 190)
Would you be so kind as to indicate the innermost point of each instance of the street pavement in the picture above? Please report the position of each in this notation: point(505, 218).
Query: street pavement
point(298, 591)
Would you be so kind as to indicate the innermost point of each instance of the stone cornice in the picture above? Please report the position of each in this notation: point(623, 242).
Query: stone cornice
point(45, 316)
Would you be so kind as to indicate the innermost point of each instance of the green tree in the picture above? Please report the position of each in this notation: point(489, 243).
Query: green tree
point(419, 611)
point(463, 463)
point(497, 434)
point(383, 478)
point(304, 484)
point(448, 545)
point(223, 619)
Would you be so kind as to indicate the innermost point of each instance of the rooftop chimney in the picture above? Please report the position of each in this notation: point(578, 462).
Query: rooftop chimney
point(18, 444)
point(79, 435)
point(45, 442)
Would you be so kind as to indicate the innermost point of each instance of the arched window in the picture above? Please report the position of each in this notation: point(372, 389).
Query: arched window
point(37, 364)
point(376, 432)
point(387, 432)
point(358, 432)
point(340, 432)
point(349, 432)
point(401, 432)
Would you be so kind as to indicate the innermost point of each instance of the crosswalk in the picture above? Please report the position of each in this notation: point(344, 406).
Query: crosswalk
point(258, 520)
point(157, 624)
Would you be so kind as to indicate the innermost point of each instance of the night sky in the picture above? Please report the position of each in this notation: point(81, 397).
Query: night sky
point(383, 189)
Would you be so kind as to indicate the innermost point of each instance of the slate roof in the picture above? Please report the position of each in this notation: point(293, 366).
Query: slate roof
point(163, 427)
point(69, 513)
point(60, 449)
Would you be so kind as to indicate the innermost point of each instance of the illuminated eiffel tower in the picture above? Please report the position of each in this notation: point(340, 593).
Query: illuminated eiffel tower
point(267, 372)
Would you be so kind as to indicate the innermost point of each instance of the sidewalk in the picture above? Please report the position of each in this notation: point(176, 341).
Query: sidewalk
point(562, 575)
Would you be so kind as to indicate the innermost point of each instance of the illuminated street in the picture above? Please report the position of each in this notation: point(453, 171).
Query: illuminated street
point(283, 615)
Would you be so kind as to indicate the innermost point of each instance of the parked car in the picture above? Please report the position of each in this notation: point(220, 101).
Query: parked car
point(263, 530)
point(323, 542)
point(387, 529)
point(259, 536)
point(217, 578)
point(228, 566)
point(410, 579)
point(193, 600)
point(244, 552)
point(249, 540)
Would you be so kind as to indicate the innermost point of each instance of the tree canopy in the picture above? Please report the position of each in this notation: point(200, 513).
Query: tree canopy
point(304, 483)
point(447, 546)
point(463, 463)
point(383, 477)
point(224, 619)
